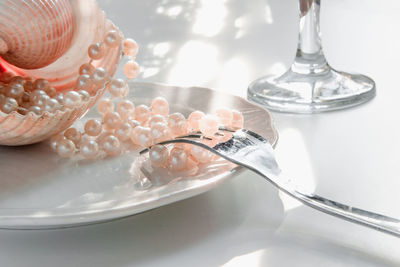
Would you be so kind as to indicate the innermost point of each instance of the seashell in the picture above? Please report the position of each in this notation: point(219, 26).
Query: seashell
point(69, 27)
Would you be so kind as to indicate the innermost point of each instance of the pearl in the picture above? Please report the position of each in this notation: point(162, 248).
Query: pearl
point(200, 154)
point(125, 108)
point(73, 134)
point(15, 90)
point(2, 99)
point(9, 105)
point(18, 79)
point(111, 120)
point(41, 84)
point(193, 120)
point(157, 118)
point(118, 88)
point(51, 91)
point(84, 82)
point(141, 136)
point(99, 76)
point(28, 86)
point(51, 105)
point(85, 96)
point(65, 148)
point(159, 131)
point(34, 96)
point(177, 123)
point(224, 116)
point(237, 119)
point(133, 123)
point(131, 69)
point(123, 131)
point(111, 145)
point(72, 99)
point(41, 101)
point(105, 105)
point(208, 125)
point(60, 98)
point(177, 159)
point(92, 127)
point(131, 48)
point(89, 149)
point(86, 69)
point(112, 38)
point(35, 109)
point(142, 113)
point(96, 51)
point(158, 155)
point(54, 140)
point(160, 106)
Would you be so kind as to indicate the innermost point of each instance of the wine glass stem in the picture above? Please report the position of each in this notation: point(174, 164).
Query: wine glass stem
point(309, 57)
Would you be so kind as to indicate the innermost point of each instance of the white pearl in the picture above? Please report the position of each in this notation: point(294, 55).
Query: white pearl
point(33, 97)
point(72, 99)
point(51, 105)
point(85, 96)
point(99, 76)
point(65, 148)
point(96, 51)
point(89, 149)
point(118, 88)
point(9, 105)
point(41, 101)
point(35, 109)
point(15, 90)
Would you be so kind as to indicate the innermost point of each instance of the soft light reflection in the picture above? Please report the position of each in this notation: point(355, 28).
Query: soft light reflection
point(161, 49)
point(268, 15)
point(294, 160)
point(210, 17)
point(277, 68)
point(174, 11)
point(242, 24)
point(235, 76)
point(253, 259)
point(196, 63)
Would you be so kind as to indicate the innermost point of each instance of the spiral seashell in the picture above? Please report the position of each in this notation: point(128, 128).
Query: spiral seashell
point(34, 34)
point(60, 62)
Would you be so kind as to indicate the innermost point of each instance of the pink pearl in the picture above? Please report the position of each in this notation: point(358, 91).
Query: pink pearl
point(200, 154)
point(160, 106)
point(142, 113)
point(133, 123)
point(159, 132)
point(84, 82)
point(36, 110)
point(73, 134)
point(51, 91)
point(131, 48)
point(34, 96)
point(208, 125)
point(93, 127)
point(9, 105)
point(237, 120)
point(99, 76)
point(177, 123)
point(85, 96)
point(72, 99)
point(158, 155)
point(28, 86)
point(123, 131)
point(177, 159)
point(41, 101)
point(125, 108)
point(131, 69)
point(105, 105)
point(157, 118)
point(111, 120)
point(96, 51)
point(86, 69)
point(193, 120)
point(89, 149)
point(65, 148)
point(52, 105)
point(224, 116)
point(118, 88)
point(141, 136)
point(111, 145)
point(112, 38)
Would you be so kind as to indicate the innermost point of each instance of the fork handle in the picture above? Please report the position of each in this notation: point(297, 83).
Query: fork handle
point(372, 220)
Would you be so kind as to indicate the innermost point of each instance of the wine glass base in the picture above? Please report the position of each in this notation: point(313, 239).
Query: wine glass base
point(311, 93)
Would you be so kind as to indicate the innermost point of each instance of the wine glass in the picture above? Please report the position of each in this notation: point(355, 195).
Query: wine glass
point(311, 85)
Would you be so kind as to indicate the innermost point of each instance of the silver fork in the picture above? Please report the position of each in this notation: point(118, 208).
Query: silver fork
point(252, 151)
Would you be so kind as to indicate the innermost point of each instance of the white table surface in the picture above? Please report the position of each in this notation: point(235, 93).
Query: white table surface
point(352, 156)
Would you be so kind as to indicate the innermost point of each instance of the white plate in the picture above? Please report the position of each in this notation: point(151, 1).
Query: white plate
point(40, 190)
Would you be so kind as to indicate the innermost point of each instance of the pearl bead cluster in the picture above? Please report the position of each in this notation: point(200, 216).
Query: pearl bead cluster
point(144, 126)
point(25, 95)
